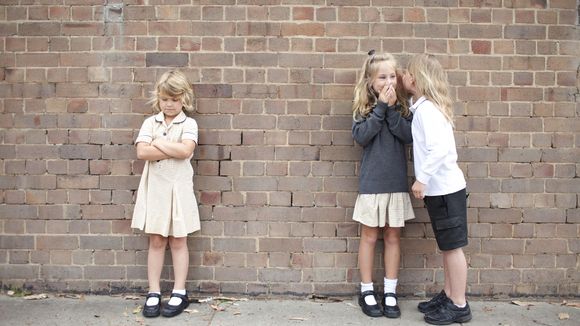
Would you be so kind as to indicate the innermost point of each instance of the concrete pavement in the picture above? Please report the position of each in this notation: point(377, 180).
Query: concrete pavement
point(125, 310)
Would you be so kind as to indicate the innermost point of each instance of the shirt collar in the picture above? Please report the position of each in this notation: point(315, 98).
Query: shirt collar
point(160, 117)
point(415, 105)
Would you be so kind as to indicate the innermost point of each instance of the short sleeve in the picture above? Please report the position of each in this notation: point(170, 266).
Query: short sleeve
point(190, 130)
point(146, 132)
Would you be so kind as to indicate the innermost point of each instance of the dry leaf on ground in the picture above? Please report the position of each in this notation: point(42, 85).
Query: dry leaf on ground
point(487, 309)
point(298, 318)
point(230, 299)
point(571, 304)
point(71, 296)
point(137, 310)
point(198, 300)
point(132, 297)
point(217, 307)
point(36, 296)
point(563, 316)
point(191, 311)
point(523, 303)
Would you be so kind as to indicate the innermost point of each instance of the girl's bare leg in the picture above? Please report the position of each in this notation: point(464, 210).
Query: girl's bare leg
point(155, 258)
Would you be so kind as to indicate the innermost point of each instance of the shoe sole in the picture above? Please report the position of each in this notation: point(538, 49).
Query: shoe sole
point(379, 314)
point(463, 319)
point(393, 315)
point(151, 315)
point(173, 314)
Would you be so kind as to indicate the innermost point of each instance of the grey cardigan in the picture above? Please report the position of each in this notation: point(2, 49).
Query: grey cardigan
point(383, 135)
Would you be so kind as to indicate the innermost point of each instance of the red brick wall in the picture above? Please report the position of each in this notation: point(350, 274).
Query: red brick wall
point(276, 165)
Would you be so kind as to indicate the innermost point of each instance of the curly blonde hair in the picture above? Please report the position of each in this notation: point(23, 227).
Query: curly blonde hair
point(431, 82)
point(173, 83)
point(365, 97)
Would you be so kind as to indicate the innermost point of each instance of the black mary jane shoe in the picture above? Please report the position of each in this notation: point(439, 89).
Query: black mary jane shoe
point(391, 311)
point(170, 310)
point(152, 311)
point(369, 310)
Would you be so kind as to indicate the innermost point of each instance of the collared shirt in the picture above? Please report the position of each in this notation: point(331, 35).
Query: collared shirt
point(434, 152)
point(182, 127)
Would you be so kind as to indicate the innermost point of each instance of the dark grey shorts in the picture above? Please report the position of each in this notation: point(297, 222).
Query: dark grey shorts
point(448, 214)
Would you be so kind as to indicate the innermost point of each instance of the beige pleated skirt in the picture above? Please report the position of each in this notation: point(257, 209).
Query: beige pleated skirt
point(166, 203)
point(378, 210)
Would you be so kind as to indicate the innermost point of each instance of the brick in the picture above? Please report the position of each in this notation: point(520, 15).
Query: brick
point(235, 274)
point(494, 246)
point(17, 242)
point(166, 59)
point(235, 245)
point(57, 242)
point(19, 272)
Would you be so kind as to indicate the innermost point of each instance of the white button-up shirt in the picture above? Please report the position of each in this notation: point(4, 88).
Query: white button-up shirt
point(434, 152)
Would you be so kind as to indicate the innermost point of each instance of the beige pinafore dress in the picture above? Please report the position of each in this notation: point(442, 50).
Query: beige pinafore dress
point(166, 203)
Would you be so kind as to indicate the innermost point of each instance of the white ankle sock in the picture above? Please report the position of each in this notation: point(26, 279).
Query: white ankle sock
point(369, 299)
point(390, 286)
point(174, 301)
point(153, 301)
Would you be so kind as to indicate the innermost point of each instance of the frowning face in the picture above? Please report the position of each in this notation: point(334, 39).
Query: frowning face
point(170, 106)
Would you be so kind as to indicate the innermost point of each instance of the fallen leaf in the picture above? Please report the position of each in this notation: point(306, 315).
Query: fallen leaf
point(132, 297)
point(10, 293)
point(71, 296)
point(191, 311)
point(298, 318)
point(572, 304)
point(237, 313)
point(523, 303)
point(36, 296)
point(137, 310)
point(487, 309)
point(563, 316)
point(197, 300)
point(230, 299)
point(217, 307)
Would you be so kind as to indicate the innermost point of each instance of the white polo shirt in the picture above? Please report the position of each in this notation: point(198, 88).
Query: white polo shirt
point(434, 152)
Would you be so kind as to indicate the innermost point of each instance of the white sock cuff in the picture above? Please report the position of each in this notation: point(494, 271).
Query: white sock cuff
point(366, 287)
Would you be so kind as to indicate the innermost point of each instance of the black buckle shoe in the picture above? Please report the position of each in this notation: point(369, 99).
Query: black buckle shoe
point(391, 311)
point(152, 311)
point(369, 310)
point(449, 313)
point(171, 311)
point(432, 305)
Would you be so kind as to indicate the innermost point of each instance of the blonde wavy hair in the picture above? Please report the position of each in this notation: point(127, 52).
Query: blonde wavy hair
point(431, 82)
point(175, 84)
point(365, 97)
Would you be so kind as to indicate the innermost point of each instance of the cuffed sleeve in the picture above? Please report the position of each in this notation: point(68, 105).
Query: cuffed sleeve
point(146, 131)
point(190, 130)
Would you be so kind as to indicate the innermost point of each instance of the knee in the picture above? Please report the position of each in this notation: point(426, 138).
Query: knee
point(178, 243)
point(157, 242)
point(392, 237)
point(369, 239)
